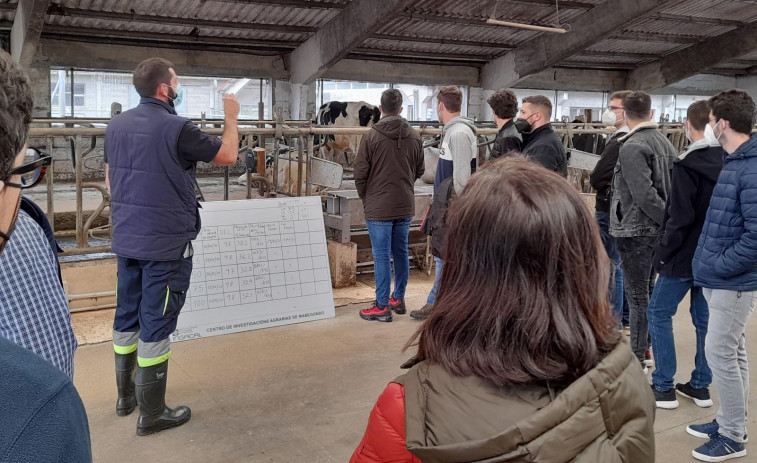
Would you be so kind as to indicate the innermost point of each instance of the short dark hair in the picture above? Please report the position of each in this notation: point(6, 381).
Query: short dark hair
point(391, 102)
point(16, 106)
point(637, 105)
point(735, 106)
point(149, 74)
point(452, 98)
point(542, 103)
point(620, 95)
point(504, 103)
point(516, 305)
point(698, 114)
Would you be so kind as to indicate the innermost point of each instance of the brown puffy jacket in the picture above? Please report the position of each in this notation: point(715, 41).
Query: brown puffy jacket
point(606, 416)
point(389, 161)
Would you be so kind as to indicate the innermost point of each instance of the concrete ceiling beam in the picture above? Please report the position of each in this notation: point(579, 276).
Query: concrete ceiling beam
point(692, 60)
point(337, 38)
point(548, 49)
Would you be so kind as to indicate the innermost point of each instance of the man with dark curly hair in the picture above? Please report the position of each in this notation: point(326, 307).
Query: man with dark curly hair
point(43, 418)
point(504, 103)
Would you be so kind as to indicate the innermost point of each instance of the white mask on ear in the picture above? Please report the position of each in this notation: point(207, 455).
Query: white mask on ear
point(609, 117)
point(709, 135)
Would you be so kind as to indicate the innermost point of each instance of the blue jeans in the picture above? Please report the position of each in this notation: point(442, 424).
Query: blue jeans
point(437, 279)
point(389, 239)
point(668, 293)
point(617, 298)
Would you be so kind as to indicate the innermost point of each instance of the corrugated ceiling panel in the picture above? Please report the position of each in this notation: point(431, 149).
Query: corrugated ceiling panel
point(430, 48)
point(679, 28)
point(628, 46)
point(218, 11)
point(723, 9)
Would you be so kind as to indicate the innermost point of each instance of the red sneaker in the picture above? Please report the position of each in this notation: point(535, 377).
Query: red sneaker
point(397, 305)
point(648, 360)
point(376, 313)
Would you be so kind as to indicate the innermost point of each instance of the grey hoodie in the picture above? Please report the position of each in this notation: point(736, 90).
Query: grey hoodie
point(457, 156)
point(641, 184)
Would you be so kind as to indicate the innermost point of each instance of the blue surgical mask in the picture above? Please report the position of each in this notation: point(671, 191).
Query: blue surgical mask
point(178, 95)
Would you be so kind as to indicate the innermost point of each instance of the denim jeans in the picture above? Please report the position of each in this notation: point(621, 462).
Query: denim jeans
point(389, 239)
point(617, 298)
point(668, 293)
point(638, 282)
point(725, 347)
point(437, 279)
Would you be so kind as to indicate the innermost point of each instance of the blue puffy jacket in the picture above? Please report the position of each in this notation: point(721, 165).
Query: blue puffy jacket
point(726, 255)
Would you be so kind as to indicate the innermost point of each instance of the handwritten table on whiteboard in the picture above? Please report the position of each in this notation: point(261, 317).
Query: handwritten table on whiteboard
point(257, 263)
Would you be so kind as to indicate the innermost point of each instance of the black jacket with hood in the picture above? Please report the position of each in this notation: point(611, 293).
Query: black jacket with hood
point(694, 176)
point(601, 177)
point(389, 161)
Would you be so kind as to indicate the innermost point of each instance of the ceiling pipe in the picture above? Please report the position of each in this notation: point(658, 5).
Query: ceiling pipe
point(497, 22)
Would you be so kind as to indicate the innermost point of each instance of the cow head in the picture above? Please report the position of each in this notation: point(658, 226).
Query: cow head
point(366, 115)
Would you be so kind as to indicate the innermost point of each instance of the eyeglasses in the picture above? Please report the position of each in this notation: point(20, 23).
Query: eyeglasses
point(32, 171)
point(615, 108)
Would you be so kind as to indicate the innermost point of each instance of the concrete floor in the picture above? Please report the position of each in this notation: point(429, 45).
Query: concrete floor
point(301, 393)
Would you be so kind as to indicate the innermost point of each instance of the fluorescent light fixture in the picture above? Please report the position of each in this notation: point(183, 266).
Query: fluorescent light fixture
point(532, 27)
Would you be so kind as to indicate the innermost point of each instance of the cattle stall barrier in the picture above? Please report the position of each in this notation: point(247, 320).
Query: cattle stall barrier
point(84, 140)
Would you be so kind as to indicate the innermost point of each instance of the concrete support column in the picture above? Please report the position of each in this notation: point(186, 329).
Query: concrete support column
point(27, 29)
point(478, 108)
point(39, 77)
point(282, 96)
point(302, 101)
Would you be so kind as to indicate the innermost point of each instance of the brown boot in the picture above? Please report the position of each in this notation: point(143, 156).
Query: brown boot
point(423, 313)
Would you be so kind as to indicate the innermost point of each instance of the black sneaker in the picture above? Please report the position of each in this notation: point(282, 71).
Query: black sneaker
point(665, 399)
point(398, 305)
point(701, 396)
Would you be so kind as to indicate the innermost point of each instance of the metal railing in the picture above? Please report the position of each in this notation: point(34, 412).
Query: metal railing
point(255, 133)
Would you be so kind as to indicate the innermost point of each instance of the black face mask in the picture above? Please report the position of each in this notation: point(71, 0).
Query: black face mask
point(6, 236)
point(522, 125)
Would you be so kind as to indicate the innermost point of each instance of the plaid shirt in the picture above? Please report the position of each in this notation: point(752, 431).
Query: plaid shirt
point(33, 307)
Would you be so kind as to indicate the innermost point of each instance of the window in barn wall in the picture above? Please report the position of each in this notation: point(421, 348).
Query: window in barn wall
point(571, 105)
point(418, 101)
point(95, 91)
point(345, 90)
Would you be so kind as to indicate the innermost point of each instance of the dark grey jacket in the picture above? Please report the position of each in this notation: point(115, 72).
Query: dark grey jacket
point(641, 184)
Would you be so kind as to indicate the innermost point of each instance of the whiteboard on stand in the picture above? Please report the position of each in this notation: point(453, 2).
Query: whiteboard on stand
point(257, 263)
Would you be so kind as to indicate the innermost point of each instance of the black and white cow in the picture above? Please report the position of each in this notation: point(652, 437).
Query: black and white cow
point(344, 114)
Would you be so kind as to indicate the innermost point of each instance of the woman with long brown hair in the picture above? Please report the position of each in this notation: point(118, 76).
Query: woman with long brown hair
point(520, 359)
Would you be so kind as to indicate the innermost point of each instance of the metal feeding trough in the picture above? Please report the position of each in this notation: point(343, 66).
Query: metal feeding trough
point(344, 213)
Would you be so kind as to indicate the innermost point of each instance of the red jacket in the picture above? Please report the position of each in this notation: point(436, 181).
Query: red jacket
point(384, 439)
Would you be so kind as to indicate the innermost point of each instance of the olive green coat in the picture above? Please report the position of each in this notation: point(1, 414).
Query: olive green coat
point(605, 416)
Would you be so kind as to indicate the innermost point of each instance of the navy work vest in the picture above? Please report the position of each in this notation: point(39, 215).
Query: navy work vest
point(153, 198)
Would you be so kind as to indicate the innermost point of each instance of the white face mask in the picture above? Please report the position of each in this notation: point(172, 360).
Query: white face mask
point(609, 117)
point(709, 135)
